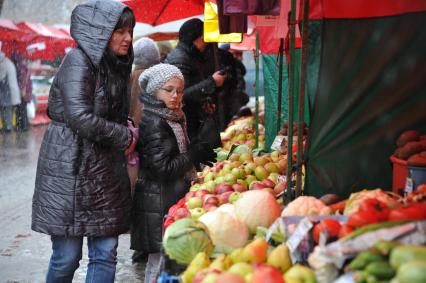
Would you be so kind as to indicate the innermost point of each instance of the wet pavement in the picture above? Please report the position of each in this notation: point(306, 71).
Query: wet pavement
point(24, 254)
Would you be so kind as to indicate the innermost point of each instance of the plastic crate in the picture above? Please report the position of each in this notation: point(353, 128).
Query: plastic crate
point(400, 173)
point(166, 278)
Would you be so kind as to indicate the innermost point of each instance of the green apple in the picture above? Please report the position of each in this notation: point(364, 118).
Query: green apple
point(246, 157)
point(273, 177)
point(219, 180)
point(238, 173)
point(210, 186)
point(209, 176)
point(194, 202)
point(271, 167)
point(194, 187)
point(275, 155)
point(196, 212)
point(250, 179)
point(230, 178)
point(234, 197)
point(261, 173)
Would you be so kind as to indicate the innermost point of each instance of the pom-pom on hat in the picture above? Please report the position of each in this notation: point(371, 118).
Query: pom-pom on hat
point(152, 79)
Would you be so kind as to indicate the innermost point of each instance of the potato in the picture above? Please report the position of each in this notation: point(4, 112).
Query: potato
point(406, 137)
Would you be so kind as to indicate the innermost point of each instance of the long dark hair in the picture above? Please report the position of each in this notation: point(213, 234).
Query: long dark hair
point(127, 19)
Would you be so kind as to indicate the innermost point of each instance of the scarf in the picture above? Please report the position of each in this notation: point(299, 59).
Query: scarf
point(174, 118)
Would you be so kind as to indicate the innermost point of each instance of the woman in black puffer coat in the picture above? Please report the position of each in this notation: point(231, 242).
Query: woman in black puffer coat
point(82, 188)
point(166, 158)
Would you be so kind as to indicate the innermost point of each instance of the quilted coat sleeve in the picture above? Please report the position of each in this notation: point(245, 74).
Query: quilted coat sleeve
point(161, 152)
point(77, 85)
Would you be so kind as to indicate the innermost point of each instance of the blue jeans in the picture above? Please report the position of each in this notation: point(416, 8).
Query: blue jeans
point(67, 252)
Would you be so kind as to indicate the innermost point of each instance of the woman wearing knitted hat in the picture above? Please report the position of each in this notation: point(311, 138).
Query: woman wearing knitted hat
point(166, 158)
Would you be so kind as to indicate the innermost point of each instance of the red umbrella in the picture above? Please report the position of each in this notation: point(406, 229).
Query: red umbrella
point(156, 12)
point(44, 42)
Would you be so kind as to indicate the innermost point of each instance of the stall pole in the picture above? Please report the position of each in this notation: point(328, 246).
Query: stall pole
point(288, 196)
point(280, 83)
point(301, 104)
point(256, 57)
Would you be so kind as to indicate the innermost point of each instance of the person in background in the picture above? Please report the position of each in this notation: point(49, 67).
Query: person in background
point(25, 86)
point(167, 157)
point(201, 83)
point(233, 90)
point(82, 188)
point(165, 47)
point(9, 92)
point(146, 55)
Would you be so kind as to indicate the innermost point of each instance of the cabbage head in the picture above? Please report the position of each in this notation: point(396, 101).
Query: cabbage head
point(185, 238)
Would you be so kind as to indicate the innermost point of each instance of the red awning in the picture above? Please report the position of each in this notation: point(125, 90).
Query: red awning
point(156, 12)
point(345, 9)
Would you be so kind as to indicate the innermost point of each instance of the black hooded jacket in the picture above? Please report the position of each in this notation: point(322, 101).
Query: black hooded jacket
point(82, 188)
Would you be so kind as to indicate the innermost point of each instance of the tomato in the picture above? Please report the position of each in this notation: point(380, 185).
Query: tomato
point(329, 226)
point(345, 230)
point(339, 206)
point(416, 211)
point(370, 211)
point(421, 189)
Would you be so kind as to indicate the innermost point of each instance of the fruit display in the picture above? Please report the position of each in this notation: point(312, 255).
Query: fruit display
point(242, 131)
point(233, 226)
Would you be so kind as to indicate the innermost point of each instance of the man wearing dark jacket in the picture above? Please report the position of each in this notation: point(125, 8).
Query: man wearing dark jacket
point(200, 83)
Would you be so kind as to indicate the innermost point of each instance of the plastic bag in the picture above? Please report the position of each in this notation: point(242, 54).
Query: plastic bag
point(31, 109)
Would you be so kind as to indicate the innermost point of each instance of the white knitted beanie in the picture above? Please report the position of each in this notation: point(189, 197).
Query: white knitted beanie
point(154, 78)
point(146, 53)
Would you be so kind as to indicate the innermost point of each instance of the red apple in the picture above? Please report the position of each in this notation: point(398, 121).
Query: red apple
point(279, 188)
point(224, 197)
point(209, 207)
point(189, 195)
point(181, 213)
point(267, 274)
point(268, 183)
point(239, 187)
point(257, 186)
point(222, 188)
point(212, 200)
point(201, 193)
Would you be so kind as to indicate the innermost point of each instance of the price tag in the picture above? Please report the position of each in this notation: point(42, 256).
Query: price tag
point(276, 145)
point(409, 185)
point(301, 231)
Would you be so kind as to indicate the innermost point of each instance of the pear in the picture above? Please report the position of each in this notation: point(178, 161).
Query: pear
point(280, 258)
point(256, 251)
point(241, 268)
point(301, 274)
point(222, 263)
point(200, 261)
point(237, 255)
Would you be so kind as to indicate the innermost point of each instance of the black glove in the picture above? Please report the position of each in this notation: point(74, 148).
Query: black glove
point(201, 152)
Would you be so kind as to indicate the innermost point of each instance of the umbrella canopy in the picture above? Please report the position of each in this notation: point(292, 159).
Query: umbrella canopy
point(156, 12)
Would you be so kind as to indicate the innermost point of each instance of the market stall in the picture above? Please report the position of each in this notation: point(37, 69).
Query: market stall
point(365, 89)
